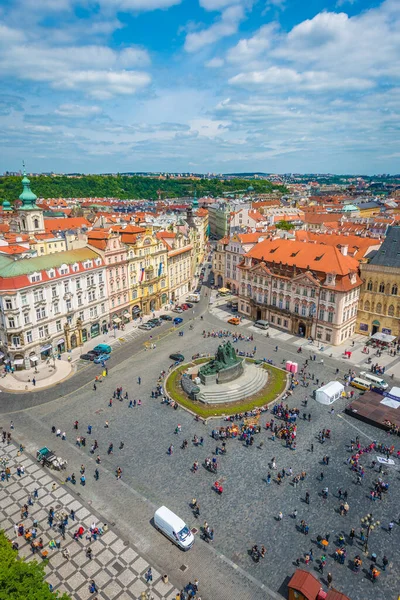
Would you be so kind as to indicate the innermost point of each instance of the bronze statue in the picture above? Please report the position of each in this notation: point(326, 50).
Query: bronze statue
point(224, 357)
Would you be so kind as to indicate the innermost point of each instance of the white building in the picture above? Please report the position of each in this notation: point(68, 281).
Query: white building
point(51, 304)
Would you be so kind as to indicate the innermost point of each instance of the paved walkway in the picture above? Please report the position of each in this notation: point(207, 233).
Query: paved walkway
point(117, 568)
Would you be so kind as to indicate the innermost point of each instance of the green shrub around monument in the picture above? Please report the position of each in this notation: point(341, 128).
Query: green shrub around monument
point(276, 385)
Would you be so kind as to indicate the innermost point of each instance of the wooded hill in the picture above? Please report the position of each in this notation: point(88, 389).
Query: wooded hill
point(124, 187)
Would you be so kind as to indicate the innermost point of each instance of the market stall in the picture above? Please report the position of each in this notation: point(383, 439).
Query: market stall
point(329, 393)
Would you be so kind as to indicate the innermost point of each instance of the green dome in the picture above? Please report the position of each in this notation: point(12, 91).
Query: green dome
point(250, 188)
point(28, 197)
point(6, 206)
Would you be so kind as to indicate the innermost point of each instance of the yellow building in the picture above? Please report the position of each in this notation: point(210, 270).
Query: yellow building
point(46, 243)
point(379, 306)
point(148, 274)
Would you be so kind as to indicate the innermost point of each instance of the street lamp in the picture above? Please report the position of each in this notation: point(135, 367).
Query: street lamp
point(369, 522)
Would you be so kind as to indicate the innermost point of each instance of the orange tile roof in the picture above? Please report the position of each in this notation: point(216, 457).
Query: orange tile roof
point(13, 249)
point(248, 238)
point(314, 257)
point(65, 224)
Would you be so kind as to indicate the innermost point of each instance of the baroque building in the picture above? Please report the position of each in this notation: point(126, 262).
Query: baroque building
point(379, 307)
point(310, 290)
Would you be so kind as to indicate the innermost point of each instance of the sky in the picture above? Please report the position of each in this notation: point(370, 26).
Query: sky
point(220, 86)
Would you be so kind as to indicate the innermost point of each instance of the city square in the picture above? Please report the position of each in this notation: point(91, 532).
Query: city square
point(247, 513)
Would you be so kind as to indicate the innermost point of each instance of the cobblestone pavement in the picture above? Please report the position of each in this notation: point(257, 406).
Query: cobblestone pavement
point(116, 567)
point(247, 511)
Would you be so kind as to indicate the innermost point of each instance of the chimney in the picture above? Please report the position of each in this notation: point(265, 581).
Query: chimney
point(344, 249)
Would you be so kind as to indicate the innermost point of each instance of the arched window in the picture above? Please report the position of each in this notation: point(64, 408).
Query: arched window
point(394, 290)
point(391, 311)
point(382, 287)
point(369, 285)
point(379, 307)
point(36, 223)
point(367, 306)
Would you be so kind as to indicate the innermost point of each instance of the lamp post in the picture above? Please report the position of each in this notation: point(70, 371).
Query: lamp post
point(370, 524)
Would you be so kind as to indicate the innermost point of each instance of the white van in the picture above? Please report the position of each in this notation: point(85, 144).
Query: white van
point(173, 528)
point(375, 380)
point(193, 298)
point(261, 324)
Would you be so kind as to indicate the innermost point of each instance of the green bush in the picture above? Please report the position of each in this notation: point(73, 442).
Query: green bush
point(20, 580)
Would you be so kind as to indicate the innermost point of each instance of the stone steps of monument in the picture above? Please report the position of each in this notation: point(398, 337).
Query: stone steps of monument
point(248, 388)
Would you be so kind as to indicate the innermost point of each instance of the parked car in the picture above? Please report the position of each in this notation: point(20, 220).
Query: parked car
point(145, 326)
point(177, 357)
point(101, 358)
point(234, 320)
point(102, 349)
point(155, 321)
point(88, 356)
point(178, 320)
point(166, 317)
point(177, 309)
point(189, 304)
point(184, 306)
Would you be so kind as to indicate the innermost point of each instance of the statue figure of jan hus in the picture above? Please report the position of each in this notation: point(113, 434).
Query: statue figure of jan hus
point(224, 357)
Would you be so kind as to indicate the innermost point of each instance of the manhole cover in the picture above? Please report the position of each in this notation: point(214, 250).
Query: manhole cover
point(126, 543)
point(118, 567)
point(183, 568)
point(194, 530)
point(58, 506)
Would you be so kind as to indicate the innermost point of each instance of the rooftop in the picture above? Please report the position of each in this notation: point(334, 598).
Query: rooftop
point(388, 254)
point(13, 268)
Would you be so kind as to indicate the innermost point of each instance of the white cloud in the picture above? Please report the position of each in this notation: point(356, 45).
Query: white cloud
point(96, 70)
point(248, 49)
point(276, 77)
point(225, 26)
point(215, 63)
point(217, 5)
point(135, 5)
point(76, 110)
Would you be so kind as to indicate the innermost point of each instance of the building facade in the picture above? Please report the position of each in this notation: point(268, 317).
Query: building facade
point(51, 304)
point(218, 219)
point(308, 290)
point(379, 307)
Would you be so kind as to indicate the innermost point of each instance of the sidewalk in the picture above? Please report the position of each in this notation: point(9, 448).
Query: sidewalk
point(117, 568)
point(47, 375)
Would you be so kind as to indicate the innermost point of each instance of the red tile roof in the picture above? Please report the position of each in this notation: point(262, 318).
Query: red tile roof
point(65, 224)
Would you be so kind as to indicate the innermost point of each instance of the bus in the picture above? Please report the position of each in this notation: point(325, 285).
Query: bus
point(361, 384)
point(375, 380)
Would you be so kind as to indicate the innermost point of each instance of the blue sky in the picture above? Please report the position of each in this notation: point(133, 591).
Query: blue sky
point(200, 85)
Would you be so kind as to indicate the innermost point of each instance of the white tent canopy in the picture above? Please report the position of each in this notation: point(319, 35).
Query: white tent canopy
point(383, 337)
point(328, 393)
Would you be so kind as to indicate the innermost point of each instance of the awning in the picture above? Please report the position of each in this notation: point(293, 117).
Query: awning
point(46, 348)
point(19, 361)
point(136, 309)
point(116, 320)
point(383, 337)
point(127, 314)
point(33, 358)
point(60, 341)
point(223, 290)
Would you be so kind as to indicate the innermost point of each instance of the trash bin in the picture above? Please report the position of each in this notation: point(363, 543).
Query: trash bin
point(165, 578)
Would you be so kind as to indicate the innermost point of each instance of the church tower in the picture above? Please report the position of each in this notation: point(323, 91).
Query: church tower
point(30, 215)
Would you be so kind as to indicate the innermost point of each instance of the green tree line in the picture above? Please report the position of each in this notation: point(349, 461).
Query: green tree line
point(124, 187)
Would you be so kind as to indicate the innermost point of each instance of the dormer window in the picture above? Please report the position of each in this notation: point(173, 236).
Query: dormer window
point(64, 270)
point(51, 273)
point(75, 268)
point(35, 277)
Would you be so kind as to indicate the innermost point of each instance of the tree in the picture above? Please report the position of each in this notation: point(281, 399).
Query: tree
point(20, 580)
point(286, 225)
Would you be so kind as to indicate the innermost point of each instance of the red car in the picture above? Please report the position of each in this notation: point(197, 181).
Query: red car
point(184, 307)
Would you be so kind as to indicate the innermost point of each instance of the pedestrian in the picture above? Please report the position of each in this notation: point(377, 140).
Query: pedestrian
point(76, 424)
point(92, 586)
point(312, 447)
point(94, 387)
point(149, 575)
point(307, 498)
point(35, 493)
point(139, 380)
point(72, 514)
point(89, 429)
point(34, 382)
point(390, 527)
point(385, 562)
point(321, 476)
point(329, 580)
point(96, 474)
